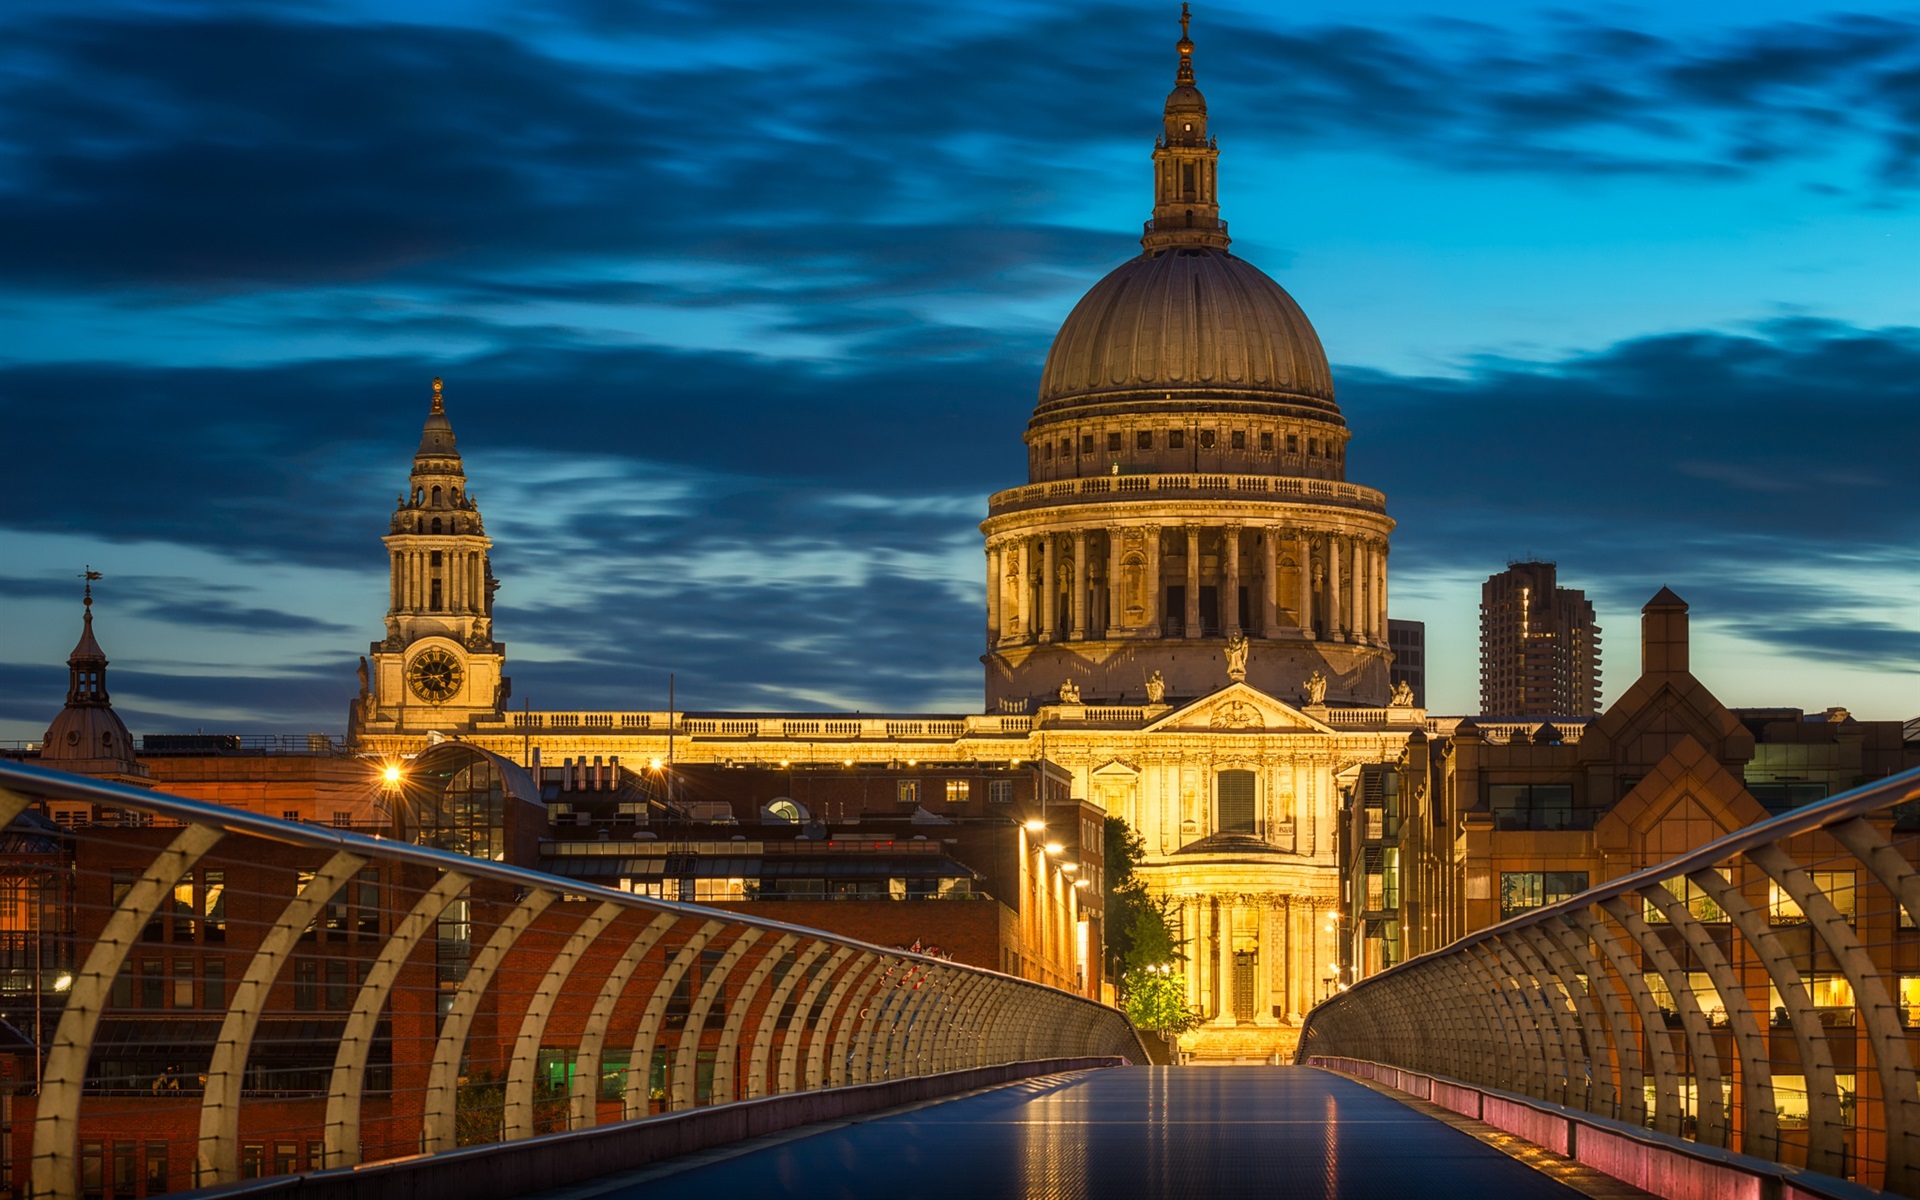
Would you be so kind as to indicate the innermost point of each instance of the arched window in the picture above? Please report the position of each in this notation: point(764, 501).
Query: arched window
point(436, 524)
point(436, 497)
point(1235, 792)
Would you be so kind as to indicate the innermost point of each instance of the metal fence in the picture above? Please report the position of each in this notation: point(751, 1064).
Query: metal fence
point(1759, 994)
point(199, 995)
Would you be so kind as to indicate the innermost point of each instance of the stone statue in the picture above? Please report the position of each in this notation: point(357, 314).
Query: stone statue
point(1156, 688)
point(1316, 686)
point(1402, 695)
point(1237, 647)
point(362, 672)
point(1069, 694)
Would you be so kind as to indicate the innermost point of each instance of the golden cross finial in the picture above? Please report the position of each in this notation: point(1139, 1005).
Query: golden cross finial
point(1186, 15)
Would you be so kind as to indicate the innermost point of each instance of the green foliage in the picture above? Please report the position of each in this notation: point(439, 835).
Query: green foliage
point(1157, 1001)
point(480, 1107)
point(1123, 851)
point(1139, 932)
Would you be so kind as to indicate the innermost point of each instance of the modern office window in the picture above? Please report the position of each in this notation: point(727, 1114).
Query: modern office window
point(1521, 891)
point(1537, 806)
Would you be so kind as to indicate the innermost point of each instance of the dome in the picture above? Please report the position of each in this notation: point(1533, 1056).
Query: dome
point(1188, 319)
point(86, 734)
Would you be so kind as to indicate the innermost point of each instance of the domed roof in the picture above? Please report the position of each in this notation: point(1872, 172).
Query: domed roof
point(1185, 319)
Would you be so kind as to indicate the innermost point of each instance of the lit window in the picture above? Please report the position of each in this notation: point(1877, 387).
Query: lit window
point(1837, 885)
point(1521, 891)
point(909, 791)
point(958, 791)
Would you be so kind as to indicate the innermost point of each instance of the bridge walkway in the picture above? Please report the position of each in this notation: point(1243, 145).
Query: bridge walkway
point(1206, 1133)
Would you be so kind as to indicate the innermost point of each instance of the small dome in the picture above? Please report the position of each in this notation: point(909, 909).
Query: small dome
point(1188, 319)
point(85, 734)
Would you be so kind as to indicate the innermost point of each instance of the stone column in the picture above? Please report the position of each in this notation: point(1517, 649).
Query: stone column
point(996, 583)
point(1153, 579)
point(457, 580)
point(1193, 581)
point(1358, 623)
point(1116, 603)
point(1230, 583)
point(1196, 938)
point(1223, 957)
point(1049, 588)
point(1270, 582)
point(1380, 564)
point(1079, 585)
point(1336, 612)
point(1025, 611)
point(1306, 585)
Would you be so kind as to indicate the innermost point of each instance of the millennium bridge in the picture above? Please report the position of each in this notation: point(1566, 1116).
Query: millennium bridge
point(198, 997)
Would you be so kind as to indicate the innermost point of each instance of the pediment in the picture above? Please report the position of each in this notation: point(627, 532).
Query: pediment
point(1238, 708)
point(1116, 768)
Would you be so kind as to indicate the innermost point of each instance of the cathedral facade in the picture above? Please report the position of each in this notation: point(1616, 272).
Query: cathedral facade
point(1186, 612)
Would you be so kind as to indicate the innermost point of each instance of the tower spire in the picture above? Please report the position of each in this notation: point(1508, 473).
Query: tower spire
point(1184, 77)
point(1186, 197)
point(87, 665)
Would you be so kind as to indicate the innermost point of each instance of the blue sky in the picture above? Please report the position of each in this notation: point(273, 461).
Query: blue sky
point(741, 308)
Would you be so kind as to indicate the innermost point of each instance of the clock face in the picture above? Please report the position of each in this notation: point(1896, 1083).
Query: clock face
point(434, 676)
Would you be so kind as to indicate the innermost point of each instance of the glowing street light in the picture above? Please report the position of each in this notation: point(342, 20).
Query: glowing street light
point(1036, 825)
point(390, 774)
point(1054, 847)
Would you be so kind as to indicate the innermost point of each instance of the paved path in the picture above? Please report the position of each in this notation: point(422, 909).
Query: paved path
point(1202, 1132)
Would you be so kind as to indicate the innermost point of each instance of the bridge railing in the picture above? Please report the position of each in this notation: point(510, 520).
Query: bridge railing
point(1760, 994)
point(200, 995)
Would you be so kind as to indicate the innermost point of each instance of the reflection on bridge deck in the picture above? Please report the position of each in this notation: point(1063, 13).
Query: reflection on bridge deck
point(1206, 1133)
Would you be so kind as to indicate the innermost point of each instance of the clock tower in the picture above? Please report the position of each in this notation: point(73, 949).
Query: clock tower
point(438, 668)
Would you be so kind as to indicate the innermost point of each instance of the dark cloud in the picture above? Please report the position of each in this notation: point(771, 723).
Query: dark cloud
point(295, 699)
point(220, 151)
point(815, 545)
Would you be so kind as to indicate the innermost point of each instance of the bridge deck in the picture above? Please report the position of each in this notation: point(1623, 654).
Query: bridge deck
point(1206, 1133)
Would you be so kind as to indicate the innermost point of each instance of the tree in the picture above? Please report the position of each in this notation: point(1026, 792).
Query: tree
point(1139, 933)
point(1156, 1001)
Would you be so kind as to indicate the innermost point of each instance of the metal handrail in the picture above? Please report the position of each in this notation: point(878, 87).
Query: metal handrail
point(1558, 1002)
point(760, 999)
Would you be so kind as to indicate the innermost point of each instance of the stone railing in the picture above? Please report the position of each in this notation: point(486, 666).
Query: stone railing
point(230, 996)
point(1759, 995)
point(1369, 718)
point(1188, 486)
point(825, 727)
point(1503, 732)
